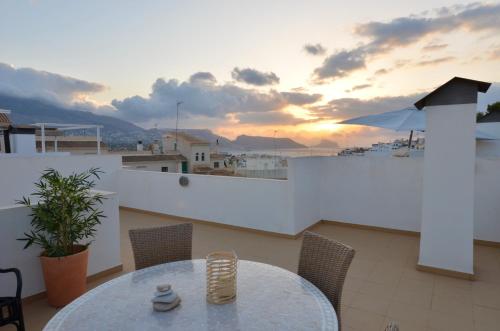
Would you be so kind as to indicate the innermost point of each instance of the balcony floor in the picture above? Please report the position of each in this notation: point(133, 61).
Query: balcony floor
point(382, 283)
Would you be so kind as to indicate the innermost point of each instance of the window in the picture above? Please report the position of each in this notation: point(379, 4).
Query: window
point(216, 164)
point(197, 156)
point(164, 169)
point(203, 156)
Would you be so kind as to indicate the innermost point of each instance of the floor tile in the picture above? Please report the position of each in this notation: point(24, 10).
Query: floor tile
point(362, 320)
point(412, 314)
point(370, 303)
point(450, 305)
point(379, 287)
point(439, 321)
point(486, 294)
point(486, 318)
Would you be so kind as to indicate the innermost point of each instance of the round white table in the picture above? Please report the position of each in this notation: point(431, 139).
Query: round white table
point(268, 298)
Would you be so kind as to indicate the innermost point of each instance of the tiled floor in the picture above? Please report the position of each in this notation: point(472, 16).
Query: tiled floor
point(382, 283)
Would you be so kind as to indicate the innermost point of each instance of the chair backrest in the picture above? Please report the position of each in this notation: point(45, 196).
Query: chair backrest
point(324, 262)
point(19, 280)
point(152, 246)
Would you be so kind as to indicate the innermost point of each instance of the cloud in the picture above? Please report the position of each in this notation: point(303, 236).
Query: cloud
point(340, 64)
point(314, 49)
point(436, 61)
point(494, 52)
point(397, 64)
point(300, 99)
point(254, 77)
point(202, 76)
point(344, 108)
point(383, 71)
point(434, 47)
point(202, 99)
point(28, 82)
point(384, 37)
point(359, 87)
point(269, 118)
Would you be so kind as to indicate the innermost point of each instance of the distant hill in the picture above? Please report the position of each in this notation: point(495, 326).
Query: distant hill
point(121, 134)
point(116, 132)
point(325, 143)
point(265, 143)
point(209, 136)
point(241, 142)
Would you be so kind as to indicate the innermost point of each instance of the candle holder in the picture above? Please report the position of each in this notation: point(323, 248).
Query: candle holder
point(221, 277)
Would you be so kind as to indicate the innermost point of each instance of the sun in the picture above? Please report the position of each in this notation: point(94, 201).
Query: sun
point(330, 126)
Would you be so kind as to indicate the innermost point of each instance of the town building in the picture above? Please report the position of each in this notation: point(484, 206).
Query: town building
point(197, 153)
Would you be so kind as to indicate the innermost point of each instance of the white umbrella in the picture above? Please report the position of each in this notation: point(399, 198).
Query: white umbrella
point(407, 119)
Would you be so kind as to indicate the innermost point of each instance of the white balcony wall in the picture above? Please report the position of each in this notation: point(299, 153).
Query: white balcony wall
point(261, 204)
point(382, 192)
point(376, 191)
point(15, 221)
point(304, 182)
point(487, 200)
point(20, 172)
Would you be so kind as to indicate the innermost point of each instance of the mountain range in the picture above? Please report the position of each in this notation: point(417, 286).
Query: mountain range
point(121, 134)
point(325, 143)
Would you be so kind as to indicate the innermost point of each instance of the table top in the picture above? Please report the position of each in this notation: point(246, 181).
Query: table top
point(268, 298)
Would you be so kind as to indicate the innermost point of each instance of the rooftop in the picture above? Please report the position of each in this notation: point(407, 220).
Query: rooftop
point(382, 283)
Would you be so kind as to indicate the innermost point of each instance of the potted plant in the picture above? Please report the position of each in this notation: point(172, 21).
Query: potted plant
point(64, 215)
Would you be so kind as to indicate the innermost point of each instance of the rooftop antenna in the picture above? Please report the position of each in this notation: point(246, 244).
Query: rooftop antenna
point(177, 123)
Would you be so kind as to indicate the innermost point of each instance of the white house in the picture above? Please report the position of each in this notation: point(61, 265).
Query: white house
point(195, 150)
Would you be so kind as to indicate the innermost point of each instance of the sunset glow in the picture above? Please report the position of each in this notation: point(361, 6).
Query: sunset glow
point(244, 73)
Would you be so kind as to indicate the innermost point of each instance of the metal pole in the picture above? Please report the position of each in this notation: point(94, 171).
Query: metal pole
point(42, 127)
point(177, 124)
point(275, 154)
point(55, 143)
point(98, 140)
point(409, 140)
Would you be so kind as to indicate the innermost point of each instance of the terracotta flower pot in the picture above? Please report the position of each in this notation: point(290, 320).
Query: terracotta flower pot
point(65, 277)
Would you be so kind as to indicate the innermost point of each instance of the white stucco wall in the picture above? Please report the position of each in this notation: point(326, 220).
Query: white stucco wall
point(261, 204)
point(200, 149)
point(447, 229)
point(20, 172)
point(489, 148)
point(384, 192)
point(15, 221)
point(487, 198)
point(304, 189)
point(173, 166)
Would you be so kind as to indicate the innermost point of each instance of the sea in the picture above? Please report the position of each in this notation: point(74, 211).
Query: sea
point(290, 152)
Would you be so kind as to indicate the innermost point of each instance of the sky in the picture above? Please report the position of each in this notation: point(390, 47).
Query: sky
point(246, 67)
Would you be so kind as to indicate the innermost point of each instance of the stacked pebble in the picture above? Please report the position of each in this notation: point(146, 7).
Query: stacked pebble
point(165, 298)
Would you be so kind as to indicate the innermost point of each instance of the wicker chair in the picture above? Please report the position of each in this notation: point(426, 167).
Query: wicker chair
point(324, 263)
point(159, 245)
point(392, 326)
